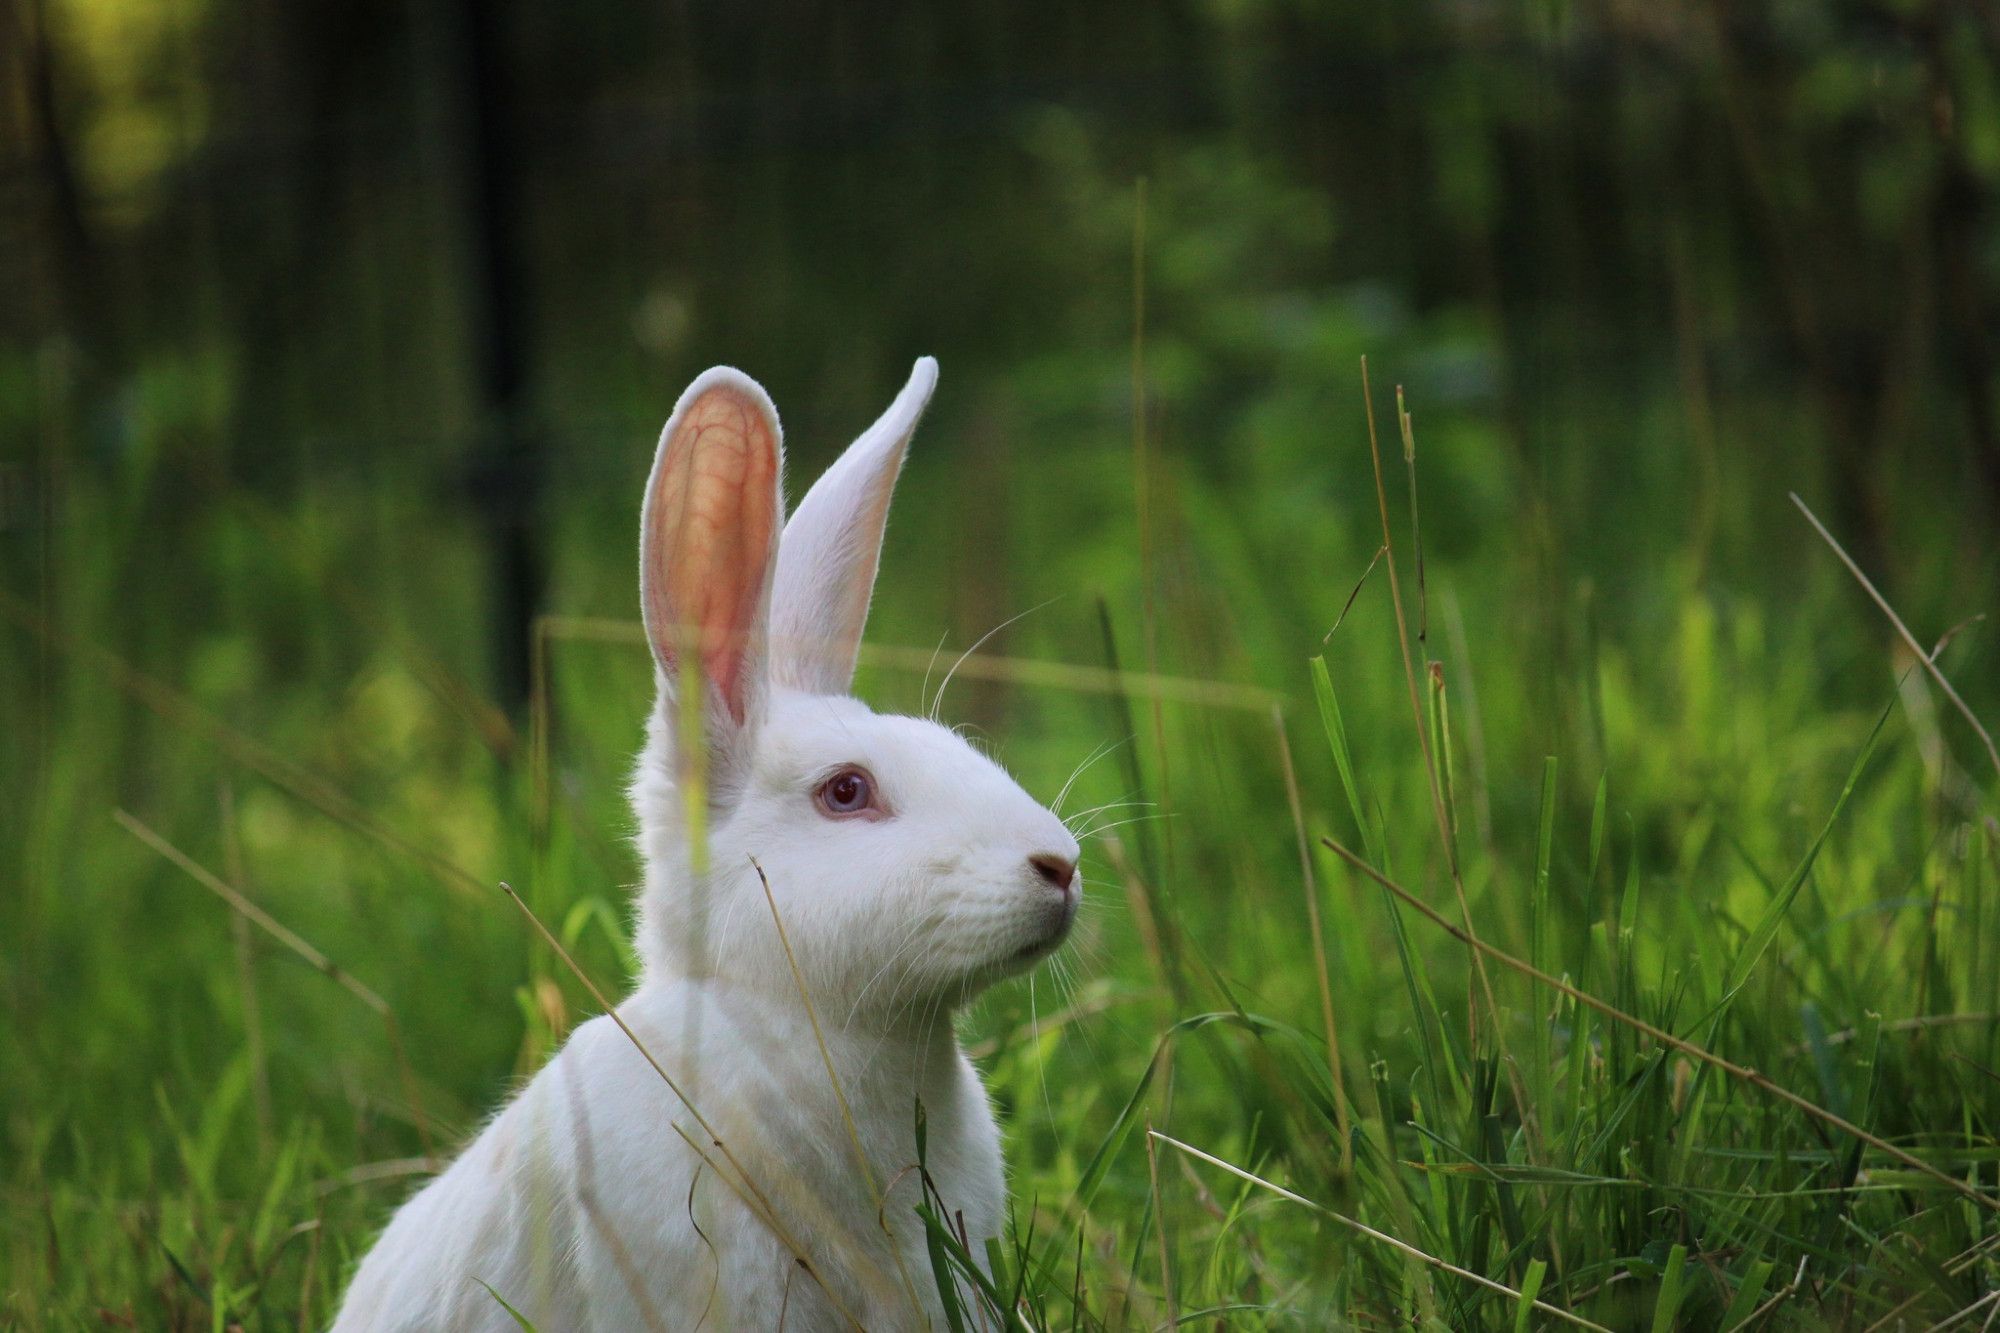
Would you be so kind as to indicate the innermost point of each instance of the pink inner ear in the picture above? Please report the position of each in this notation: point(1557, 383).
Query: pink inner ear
point(710, 546)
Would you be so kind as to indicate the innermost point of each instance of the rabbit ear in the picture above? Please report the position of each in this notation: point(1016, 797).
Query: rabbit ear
point(708, 542)
point(826, 564)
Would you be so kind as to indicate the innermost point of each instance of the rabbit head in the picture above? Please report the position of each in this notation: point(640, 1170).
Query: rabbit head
point(909, 870)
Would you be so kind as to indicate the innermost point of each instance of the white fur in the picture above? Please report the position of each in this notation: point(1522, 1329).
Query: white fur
point(826, 568)
point(581, 1203)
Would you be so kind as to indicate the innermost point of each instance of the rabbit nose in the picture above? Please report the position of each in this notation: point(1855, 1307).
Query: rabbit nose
point(1056, 870)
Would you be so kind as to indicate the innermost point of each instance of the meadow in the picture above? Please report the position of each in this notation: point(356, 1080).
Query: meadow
point(267, 970)
point(1531, 881)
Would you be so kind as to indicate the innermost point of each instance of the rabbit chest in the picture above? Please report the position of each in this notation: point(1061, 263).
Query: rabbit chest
point(668, 1217)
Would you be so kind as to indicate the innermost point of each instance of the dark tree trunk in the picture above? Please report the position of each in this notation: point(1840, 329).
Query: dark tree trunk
point(507, 469)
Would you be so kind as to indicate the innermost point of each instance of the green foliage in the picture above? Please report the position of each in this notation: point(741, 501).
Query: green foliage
point(1653, 711)
point(203, 1130)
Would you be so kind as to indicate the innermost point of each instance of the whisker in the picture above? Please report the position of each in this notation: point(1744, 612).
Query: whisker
point(910, 935)
point(925, 688)
point(1108, 904)
point(975, 736)
point(1071, 989)
point(1062, 793)
point(1117, 823)
point(1092, 758)
point(1041, 1056)
point(910, 950)
point(896, 1008)
point(937, 700)
point(1082, 816)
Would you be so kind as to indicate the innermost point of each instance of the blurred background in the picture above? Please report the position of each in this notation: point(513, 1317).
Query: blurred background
point(337, 337)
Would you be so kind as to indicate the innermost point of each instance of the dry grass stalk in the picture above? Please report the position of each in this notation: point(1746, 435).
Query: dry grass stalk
point(1929, 659)
point(743, 1186)
point(1665, 1038)
point(1383, 1237)
point(292, 940)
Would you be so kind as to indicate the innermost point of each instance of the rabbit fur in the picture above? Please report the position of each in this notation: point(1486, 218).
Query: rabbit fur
point(602, 1198)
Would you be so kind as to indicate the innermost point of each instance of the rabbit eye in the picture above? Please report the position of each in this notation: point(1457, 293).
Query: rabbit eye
point(848, 792)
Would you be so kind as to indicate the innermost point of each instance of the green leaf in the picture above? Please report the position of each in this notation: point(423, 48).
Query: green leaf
point(1749, 1292)
point(520, 1320)
point(1767, 925)
point(1597, 828)
point(1343, 762)
point(1672, 1291)
point(1531, 1288)
point(947, 1285)
point(1538, 907)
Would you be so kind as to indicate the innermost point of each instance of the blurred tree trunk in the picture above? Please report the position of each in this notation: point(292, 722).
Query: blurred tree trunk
point(77, 278)
point(1841, 361)
point(1961, 211)
point(508, 467)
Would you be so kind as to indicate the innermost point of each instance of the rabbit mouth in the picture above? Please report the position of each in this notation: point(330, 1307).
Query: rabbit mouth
point(1055, 932)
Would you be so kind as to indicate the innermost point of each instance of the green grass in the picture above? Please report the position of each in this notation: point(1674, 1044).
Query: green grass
point(1714, 805)
point(1727, 1051)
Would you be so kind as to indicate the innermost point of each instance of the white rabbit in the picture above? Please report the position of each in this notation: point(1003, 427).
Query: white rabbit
point(908, 871)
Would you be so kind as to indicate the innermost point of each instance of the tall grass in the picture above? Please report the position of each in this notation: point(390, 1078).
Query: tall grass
point(1571, 966)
